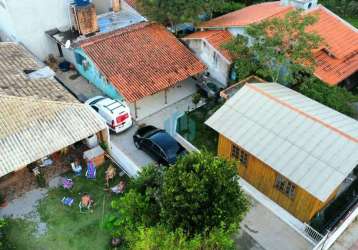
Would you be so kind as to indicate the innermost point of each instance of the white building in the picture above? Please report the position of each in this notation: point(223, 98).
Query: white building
point(208, 46)
point(336, 61)
point(27, 21)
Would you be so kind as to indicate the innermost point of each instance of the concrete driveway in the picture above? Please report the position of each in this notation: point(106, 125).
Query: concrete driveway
point(125, 152)
point(263, 230)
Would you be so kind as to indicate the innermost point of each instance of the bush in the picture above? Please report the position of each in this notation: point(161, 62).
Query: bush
point(160, 238)
point(4, 243)
point(337, 98)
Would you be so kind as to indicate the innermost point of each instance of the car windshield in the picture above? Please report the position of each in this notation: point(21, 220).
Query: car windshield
point(167, 143)
point(97, 100)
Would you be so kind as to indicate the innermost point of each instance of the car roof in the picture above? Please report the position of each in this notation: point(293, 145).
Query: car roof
point(167, 143)
point(110, 106)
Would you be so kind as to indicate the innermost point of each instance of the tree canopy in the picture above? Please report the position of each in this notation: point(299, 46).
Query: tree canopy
point(278, 49)
point(192, 204)
point(173, 12)
point(337, 98)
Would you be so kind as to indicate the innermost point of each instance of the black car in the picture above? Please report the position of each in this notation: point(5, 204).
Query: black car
point(157, 143)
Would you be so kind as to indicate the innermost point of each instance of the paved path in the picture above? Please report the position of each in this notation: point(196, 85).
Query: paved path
point(78, 85)
point(125, 152)
point(349, 239)
point(261, 229)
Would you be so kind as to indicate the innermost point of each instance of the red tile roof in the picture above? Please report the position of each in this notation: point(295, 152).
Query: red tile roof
point(246, 16)
point(216, 38)
point(142, 59)
point(132, 3)
point(335, 62)
point(339, 59)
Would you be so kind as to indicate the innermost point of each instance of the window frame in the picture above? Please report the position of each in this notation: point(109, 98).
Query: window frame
point(240, 155)
point(285, 186)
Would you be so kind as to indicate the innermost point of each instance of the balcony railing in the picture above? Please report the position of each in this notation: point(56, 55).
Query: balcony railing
point(312, 234)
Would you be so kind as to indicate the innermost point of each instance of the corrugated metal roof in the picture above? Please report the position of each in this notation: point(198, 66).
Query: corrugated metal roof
point(31, 129)
point(37, 117)
point(14, 59)
point(310, 144)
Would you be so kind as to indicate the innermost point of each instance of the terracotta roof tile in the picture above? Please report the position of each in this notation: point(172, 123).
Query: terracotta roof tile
point(335, 62)
point(246, 16)
point(142, 59)
point(216, 38)
point(339, 59)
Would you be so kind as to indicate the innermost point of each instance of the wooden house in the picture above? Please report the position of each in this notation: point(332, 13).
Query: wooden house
point(294, 150)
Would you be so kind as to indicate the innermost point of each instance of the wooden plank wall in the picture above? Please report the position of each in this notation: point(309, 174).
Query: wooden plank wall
point(303, 206)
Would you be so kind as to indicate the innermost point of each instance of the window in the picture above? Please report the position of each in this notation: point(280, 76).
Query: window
point(285, 186)
point(239, 154)
point(79, 58)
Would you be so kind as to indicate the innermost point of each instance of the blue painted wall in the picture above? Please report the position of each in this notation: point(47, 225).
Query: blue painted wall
point(92, 74)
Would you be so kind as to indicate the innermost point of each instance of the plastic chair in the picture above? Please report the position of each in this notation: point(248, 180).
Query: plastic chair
point(91, 170)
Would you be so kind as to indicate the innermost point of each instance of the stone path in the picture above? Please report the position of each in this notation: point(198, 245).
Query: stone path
point(25, 206)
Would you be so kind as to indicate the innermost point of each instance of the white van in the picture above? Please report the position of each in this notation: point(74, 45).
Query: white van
point(116, 113)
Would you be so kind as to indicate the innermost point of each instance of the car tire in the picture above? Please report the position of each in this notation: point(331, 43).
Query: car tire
point(136, 144)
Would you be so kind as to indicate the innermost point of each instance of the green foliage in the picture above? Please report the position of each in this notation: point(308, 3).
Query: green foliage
point(280, 48)
point(151, 214)
point(196, 98)
point(67, 228)
point(337, 98)
point(173, 12)
point(159, 238)
point(139, 206)
point(227, 7)
point(207, 189)
point(345, 8)
point(41, 180)
point(4, 241)
point(103, 145)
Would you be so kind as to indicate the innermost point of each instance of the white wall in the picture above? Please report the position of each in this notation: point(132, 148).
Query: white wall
point(28, 20)
point(152, 104)
point(218, 67)
point(7, 31)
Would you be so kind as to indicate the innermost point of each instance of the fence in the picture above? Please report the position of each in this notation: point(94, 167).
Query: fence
point(312, 233)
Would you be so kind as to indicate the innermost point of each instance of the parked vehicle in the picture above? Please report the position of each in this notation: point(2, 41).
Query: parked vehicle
point(157, 143)
point(116, 113)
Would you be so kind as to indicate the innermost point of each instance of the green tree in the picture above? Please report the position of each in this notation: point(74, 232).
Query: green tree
point(202, 192)
point(195, 204)
point(335, 97)
point(159, 237)
point(173, 12)
point(279, 49)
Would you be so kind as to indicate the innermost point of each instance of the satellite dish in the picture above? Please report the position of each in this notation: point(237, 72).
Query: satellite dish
point(68, 44)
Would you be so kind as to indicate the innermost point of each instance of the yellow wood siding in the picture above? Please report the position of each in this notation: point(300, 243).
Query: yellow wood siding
point(303, 205)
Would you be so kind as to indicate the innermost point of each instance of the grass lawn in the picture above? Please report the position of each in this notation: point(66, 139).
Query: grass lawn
point(67, 228)
point(191, 126)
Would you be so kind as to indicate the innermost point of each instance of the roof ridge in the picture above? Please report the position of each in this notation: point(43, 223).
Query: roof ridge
point(114, 33)
point(34, 100)
point(329, 12)
point(297, 110)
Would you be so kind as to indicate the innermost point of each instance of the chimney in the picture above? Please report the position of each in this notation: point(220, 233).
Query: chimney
point(116, 5)
point(85, 18)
